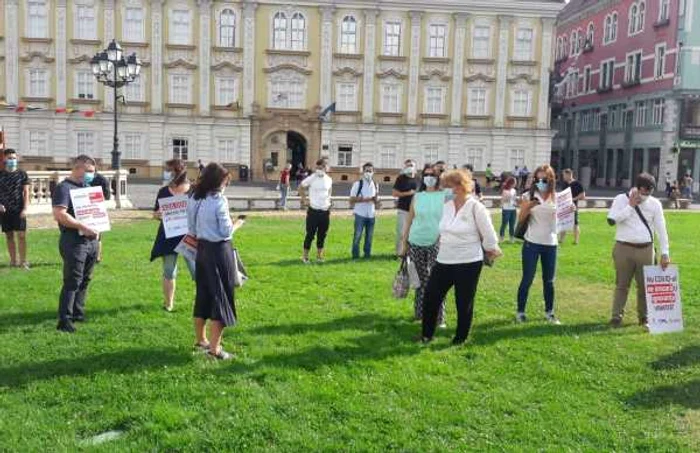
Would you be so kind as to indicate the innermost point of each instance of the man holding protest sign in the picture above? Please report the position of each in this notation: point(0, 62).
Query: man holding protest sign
point(81, 215)
point(637, 216)
point(577, 193)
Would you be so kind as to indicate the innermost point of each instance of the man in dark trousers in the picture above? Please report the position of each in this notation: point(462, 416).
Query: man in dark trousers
point(77, 244)
point(101, 181)
point(14, 201)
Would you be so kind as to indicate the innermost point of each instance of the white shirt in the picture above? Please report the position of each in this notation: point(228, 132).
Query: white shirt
point(542, 227)
point(508, 198)
point(369, 190)
point(630, 227)
point(460, 240)
point(320, 188)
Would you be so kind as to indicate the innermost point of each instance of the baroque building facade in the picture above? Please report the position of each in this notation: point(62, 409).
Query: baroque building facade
point(245, 83)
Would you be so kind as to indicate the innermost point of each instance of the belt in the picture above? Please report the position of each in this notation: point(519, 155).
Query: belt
point(636, 245)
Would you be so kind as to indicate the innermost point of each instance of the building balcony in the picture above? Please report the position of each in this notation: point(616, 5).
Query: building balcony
point(690, 131)
point(630, 83)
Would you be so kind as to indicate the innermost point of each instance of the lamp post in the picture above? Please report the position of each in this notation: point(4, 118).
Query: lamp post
point(111, 68)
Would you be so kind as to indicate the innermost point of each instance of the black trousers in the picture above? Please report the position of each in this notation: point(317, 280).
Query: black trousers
point(79, 257)
point(317, 224)
point(464, 278)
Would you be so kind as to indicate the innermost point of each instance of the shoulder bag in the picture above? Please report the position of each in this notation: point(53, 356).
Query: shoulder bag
point(488, 261)
point(401, 281)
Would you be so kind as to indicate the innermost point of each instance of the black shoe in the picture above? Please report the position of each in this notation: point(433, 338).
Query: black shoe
point(78, 318)
point(65, 325)
point(458, 341)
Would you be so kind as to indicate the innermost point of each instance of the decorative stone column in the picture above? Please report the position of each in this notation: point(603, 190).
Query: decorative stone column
point(545, 65)
point(108, 36)
point(327, 13)
point(157, 56)
point(249, 57)
point(204, 57)
point(414, 66)
point(502, 68)
point(12, 51)
point(458, 68)
point(370, 58)
point(61, 42)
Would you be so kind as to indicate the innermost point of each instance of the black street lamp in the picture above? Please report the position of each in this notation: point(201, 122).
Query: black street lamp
point(112, 69)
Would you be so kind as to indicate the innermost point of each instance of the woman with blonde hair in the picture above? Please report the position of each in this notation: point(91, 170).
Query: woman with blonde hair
point(539, 212)
point(466, 234)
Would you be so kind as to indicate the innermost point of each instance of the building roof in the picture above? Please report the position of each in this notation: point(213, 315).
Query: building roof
point(575, 7)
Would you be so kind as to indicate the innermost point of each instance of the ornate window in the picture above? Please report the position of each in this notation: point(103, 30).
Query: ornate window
point(346, 97)
point(289, 33)
point(431, 153)
point(227, 28)
point(180, 148)
point(38, 143)
point(132, 146)
point(38, 83)
point(37, 19)
point(134, 90)
point(133, 29)
point(476, 102)
point(85, 143)
point(633, 67)
point(348, 35)
point(521, 102)
point(434, 100)
point(664, 8)
point(298, 41)
point(392, 38)
point(279, 25)
point(86, 25)
point(590, 34)
point(84, 85)
point(226, 148)
point(437, 40)
point(180, 89)
point(523, 44)
point(226, 93)
point(180, 30)
point(637, 15)
point(387, 156)
point(287, 90)
point(660, 60)
point(481, 45)
point(391, 98)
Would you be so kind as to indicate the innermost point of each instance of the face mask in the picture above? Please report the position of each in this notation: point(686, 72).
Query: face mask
point(368, 175)
point(409, 171)
point(88, 177)
point(542, 186)
point(320, 172)
point(430, 181)
point(11, 164)
point(644, 198)
point(167, 175)
point(449, 194)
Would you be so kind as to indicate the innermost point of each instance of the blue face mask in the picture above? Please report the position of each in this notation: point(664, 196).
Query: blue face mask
point(88, 178)
point(449, 194)
point(542, 186)
point(11, 164)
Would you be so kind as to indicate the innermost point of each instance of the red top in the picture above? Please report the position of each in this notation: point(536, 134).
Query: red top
point(284, 176)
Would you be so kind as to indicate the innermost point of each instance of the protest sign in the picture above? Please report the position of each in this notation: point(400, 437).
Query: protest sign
point(90, 208)
point(663, 296)
point(566, 211)
point(187, 247)
point(174, 211)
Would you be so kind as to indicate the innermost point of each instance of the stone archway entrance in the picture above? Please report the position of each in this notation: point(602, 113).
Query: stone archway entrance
point(296, 151)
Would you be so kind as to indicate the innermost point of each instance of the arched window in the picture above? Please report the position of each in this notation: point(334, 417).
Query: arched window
point(641, 17)
point(279, 25)
point(613, 28)
point(572, 42)
point(634, 11)
point(348, 35)
point(606, 31)
point(590, 34)
point(227, 28)
point(581, 41)
point(298, 32)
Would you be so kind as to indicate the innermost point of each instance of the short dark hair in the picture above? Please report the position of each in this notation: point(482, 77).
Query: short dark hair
point(9, 151)
point(367, 164)
point(440, 162)
point(321, 161)
point(210, 180)
point(469, 167)
point(645, 181)
point(568, 171)
point(85, 160)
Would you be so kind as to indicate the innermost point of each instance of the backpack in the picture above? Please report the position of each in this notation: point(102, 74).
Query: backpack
point(359, 192)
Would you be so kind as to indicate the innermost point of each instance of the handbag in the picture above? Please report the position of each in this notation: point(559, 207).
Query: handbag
point(240, 275)
point(401, 283)
point(413, 278)
point(488, 260)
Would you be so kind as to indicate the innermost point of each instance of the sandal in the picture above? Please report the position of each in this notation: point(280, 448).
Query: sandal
point(221, 355)
point(202, 347)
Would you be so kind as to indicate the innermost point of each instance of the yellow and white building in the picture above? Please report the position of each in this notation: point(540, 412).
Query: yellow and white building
point(243, 83)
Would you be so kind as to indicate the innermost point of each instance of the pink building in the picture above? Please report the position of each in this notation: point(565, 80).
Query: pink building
point(613, 107)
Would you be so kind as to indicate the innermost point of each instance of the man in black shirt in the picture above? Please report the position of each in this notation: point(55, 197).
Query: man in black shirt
point(14, 201)
point(101, 181)
point(405, 187)
point(577, 193)
point(77, 244)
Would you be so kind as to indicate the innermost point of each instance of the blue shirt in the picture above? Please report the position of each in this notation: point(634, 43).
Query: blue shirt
point(209, 218)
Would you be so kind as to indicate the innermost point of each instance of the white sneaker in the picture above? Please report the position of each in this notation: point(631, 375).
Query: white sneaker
point(520, 318)
point(443, 326)
point(552, 319)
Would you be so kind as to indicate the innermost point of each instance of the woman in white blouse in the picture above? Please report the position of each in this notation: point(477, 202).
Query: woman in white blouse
point(466, 232)
point(540, 212)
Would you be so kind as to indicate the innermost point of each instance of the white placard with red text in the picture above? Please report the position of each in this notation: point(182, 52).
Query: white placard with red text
point(663, 294)
point(566, 211)
point(187, 247)
point(90, 208)
point(174, 211)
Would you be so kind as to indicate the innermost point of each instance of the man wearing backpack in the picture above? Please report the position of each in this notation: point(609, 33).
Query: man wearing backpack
point(363, 198)
point(637, 216)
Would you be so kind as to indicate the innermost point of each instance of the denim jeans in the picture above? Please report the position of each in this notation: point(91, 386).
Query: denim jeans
point(531, 253)
point(366, 224)
point(508, 218)
point(284, 191)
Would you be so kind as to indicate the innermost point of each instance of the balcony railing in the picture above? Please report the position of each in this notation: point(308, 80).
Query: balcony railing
point(690, 131)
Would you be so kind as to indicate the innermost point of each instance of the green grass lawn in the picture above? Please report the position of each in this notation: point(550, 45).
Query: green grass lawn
point(325, 358)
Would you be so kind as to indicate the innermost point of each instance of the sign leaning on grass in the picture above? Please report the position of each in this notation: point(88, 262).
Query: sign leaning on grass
point(174, 210)
point(90, 208)
point(566, 211)
point(663, 295)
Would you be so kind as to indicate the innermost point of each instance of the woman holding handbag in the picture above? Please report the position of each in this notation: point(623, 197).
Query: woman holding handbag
point(467, 239)
point(209, 220)
point(420, 236)
point(538, 217)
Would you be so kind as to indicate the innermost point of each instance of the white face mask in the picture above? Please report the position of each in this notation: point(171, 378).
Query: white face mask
point(409, 171)
point(368, 175)
point(430, 181)
point(644, 198)
point(320, 172)
point(167, 175)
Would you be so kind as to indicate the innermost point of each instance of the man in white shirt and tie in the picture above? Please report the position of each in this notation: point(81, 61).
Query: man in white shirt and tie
point(363, 197)
point(315, 192)
point(637, 216)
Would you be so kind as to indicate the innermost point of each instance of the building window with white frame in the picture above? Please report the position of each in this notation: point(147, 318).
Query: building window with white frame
point(664, 9)
point(38, 143)
point(640, 114)
point(132, 145)
point(344, 155)
point(226, 93)
point(392, 38)
point(227, 28)
point(587, 79)
point(590, 35)
point(658, 112)
point(85, 143)
point(180, 148)
point(633, 68)
point(298, 35)
point(226, 148)
point(573, 43)
point(37, 19)
point(434, 100)
point(607, 74)
point(660, 61)
point(516, 158)
point(476, 102)
point(133, 26)
point(437, 39)
point(637, 14)
point(387, 156)
point(133, 91)
point(180, 30)
point(346, 97)
point(279, 31)
point(391, 98)
point(523, 44)
point(38, 83)
point(613, 28)
point(642, 16)
point(86, 27)
point(474, 156)
point(287, 94)
point(348, 35)
point(521, 103)
point(481, 43)
point(431, 153)
point(289, 33)
point(84, 85)
point(607, 29)
point(180, 89)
